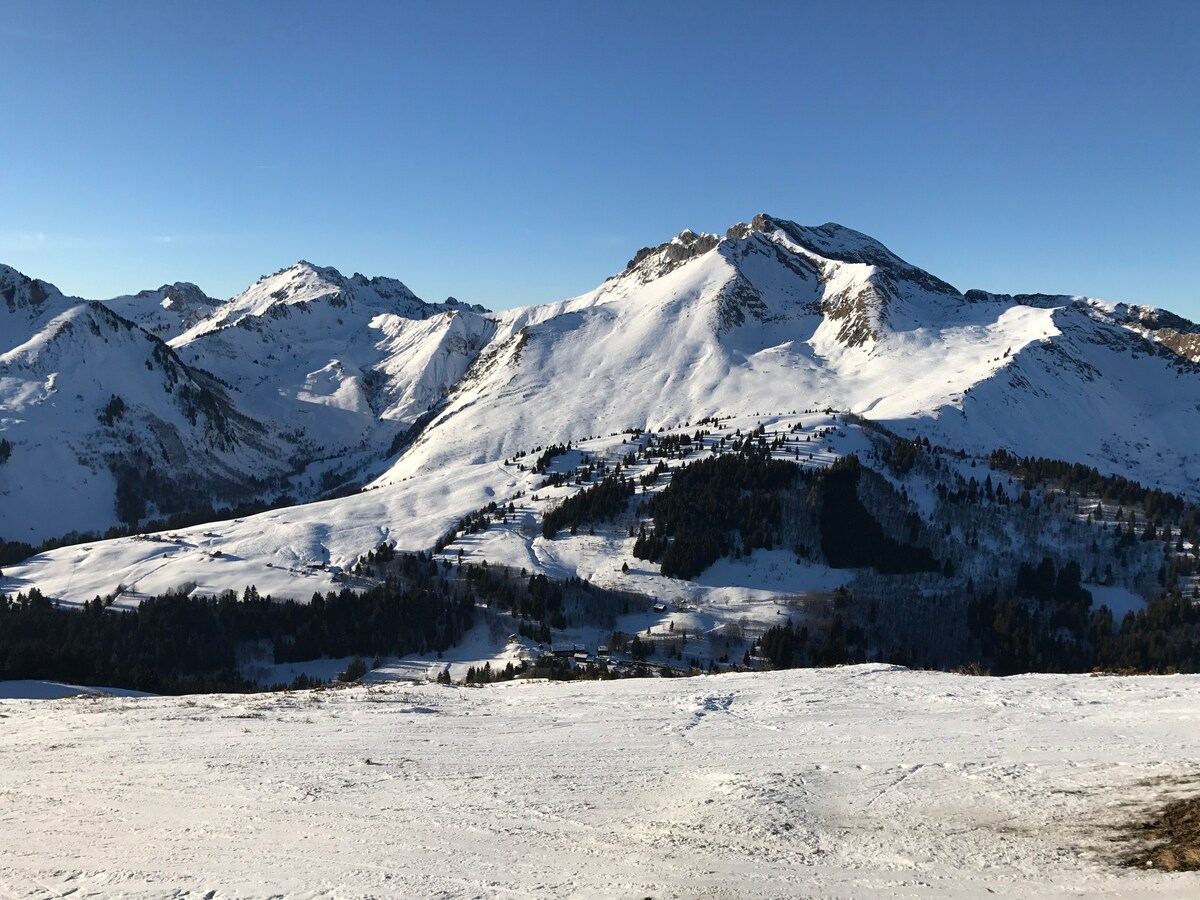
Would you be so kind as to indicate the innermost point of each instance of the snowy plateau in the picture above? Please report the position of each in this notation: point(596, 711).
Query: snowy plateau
point(863, 781)
point(910, 454)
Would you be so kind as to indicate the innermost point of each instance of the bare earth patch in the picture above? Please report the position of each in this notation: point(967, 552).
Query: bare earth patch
point(1172, 838)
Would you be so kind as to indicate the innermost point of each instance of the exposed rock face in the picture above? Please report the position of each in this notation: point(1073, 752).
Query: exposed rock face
point(22, 292)
point(654, 262)
point(842, 244)
point(1171, 331)
point(860, 304)
point(860, 312)
point(738, 299)
point(165, 311)
point(858, 300)
point(182, 295)
point(1163, 331)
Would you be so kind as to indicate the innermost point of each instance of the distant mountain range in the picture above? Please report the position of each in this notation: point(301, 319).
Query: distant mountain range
point(310, 383)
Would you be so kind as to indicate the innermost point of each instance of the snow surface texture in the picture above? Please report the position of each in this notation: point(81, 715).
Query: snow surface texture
point(852, 782)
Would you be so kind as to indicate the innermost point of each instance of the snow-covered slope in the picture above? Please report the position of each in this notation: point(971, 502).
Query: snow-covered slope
point(1174, 333)
point(777, 316)
point(865, 781)
point(1092, 390)
point(300, 383)
point(96, 410)
point(167, 312)
point(769, 319)
point(351, 361)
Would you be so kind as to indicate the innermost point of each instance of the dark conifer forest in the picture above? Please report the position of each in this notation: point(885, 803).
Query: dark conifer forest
point(182, 644)
point(994, 573)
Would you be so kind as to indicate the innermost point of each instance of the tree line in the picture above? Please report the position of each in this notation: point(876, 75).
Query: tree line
point(175, 643)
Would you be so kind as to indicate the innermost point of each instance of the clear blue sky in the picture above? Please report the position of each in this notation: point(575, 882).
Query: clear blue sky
point(519, 152)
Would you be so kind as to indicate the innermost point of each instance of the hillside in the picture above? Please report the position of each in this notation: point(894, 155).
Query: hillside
point(775, 317)
point(448, 405)
point(105, 424)
point(318, 339)
point(858, 544)
point(303, 382)
point(166, 312)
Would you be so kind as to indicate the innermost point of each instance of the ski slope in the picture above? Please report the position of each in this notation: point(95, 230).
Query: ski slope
point(850, 782)
point(295, 551)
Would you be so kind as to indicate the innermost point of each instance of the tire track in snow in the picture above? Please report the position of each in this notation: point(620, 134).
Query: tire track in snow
point(895, 784)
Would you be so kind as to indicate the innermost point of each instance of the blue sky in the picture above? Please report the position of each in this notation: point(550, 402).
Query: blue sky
point(520, 152)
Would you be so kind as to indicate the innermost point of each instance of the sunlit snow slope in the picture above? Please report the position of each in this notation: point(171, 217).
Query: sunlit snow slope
point(299, 384)
point(776, 316)
point(336, 355)
point(88, 399)
point(769, 319)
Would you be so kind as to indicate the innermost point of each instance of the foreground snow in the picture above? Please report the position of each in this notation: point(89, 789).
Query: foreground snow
point(864, 781)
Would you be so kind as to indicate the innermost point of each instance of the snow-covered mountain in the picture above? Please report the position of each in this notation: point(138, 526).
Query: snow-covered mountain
point(295, 386)
point(771, 318)
point(166, 312)
point(105, 423)
point(776, 316)
point(353, 362)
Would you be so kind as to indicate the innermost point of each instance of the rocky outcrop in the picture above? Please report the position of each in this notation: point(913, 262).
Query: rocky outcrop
point(650, 263)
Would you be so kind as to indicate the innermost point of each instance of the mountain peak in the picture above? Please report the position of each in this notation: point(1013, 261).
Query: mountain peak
point(165, 311)
point(831, 240)
point(303, 265)
point(307, 272)
point(841, 244)
point(304, 287)
point(180, 296)
point(653, 262)
point(20, 291)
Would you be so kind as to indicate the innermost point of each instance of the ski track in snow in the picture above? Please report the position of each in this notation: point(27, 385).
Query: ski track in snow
point(852, 782)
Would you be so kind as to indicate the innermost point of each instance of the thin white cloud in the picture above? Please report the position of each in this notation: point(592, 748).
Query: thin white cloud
point(23, 237)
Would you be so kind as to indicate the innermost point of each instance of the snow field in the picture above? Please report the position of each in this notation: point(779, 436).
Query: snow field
point(850, 782)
